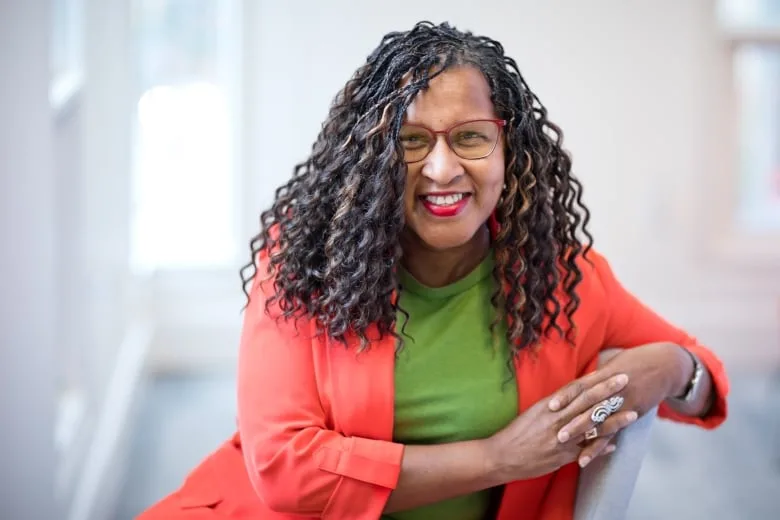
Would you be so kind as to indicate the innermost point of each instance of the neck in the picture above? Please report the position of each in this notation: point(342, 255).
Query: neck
point(437, 268)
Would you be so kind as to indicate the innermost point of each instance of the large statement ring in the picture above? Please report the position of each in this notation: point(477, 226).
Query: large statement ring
point(605, 409)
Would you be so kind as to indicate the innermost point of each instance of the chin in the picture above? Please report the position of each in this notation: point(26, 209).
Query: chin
point(442, 241)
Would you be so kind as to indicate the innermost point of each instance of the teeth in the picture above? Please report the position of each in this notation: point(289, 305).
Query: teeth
point(446, 200)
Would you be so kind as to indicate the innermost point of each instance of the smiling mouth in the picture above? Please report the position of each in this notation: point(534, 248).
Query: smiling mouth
point(445, 200)
point(445, 205)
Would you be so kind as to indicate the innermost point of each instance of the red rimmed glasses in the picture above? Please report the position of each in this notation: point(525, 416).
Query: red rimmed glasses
point(474, 139)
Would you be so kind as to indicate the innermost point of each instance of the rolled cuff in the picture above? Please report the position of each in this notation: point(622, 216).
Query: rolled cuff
point(718, 412)
point(369, 469)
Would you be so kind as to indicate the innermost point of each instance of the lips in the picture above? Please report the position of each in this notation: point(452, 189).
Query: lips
point(444, 205)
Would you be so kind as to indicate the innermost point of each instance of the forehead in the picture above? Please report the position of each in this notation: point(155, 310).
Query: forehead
point(459, 94)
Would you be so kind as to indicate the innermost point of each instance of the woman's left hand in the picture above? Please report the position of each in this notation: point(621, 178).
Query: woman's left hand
point(654, 374)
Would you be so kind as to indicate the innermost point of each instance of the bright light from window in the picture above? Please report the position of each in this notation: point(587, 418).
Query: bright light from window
point(185, 149)
point(184, 178)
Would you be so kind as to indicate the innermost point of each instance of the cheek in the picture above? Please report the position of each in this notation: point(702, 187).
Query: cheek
point(495, 172)
point(493, 184)
point(409, 189)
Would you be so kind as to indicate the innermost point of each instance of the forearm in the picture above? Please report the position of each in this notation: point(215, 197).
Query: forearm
point(431, 474)
point(680, 375)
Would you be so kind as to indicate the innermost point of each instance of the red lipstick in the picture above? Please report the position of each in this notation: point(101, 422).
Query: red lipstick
point(442, 205)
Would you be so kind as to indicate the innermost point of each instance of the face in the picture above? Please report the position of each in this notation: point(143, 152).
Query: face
point(448, 198)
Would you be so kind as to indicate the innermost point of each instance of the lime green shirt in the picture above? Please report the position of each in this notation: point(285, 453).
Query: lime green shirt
point(452, 379)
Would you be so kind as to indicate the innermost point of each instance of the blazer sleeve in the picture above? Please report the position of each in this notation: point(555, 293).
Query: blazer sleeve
point(630, 323)
point(296, 464)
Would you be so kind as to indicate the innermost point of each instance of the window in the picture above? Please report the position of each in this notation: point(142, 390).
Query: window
point(187, 54)
point(753, 26)
point(757, 70)
point(753, 16)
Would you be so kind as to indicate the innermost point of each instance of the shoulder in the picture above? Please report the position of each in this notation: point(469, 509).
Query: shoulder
point(587, 291)
point(263, 286)
point(264, 313)
point(594, 273)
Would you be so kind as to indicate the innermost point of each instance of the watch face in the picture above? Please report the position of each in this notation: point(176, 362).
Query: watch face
point(698, 371)
point(692, 384)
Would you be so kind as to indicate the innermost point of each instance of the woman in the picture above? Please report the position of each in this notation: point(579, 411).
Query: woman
point(425, 317)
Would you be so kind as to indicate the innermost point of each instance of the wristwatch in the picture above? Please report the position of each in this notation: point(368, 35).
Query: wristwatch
point(690, 390)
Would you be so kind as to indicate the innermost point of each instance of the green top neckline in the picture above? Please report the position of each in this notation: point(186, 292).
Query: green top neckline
point(479, 273)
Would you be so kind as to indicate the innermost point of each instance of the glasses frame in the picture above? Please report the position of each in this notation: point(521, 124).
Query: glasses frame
point(500, 123)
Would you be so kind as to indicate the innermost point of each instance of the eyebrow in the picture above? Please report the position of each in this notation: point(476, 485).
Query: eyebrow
point(459, 121)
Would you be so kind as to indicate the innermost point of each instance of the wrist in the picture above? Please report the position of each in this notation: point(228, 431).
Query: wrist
point(681, 371)
point(497, 470)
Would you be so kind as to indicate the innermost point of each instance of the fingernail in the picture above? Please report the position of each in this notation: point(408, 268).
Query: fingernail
point(584, 461)
point(554, 405)
point(622, 379)
point(632, 416)
point(563, 436)
point(609, 449)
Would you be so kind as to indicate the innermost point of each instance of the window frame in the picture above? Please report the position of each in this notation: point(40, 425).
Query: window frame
point(728, 240)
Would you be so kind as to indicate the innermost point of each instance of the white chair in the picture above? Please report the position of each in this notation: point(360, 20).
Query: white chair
point(606, 484)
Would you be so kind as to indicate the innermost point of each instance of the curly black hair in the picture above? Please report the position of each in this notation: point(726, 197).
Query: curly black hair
point(332, 232)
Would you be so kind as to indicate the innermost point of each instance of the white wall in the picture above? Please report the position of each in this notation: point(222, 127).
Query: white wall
point(642, 92)
point(28, 317)
point(73, 337)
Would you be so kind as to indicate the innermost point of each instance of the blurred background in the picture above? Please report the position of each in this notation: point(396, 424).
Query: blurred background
point(139, 140)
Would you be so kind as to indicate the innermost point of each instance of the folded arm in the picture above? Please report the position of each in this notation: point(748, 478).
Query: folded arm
point(296, 464)
point(629, 323)
point(299, 465)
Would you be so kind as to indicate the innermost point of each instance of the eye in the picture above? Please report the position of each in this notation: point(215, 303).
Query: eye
point(414, 140)
point(470, 138)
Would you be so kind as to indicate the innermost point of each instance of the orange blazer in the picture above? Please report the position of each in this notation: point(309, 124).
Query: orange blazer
point(316, 419)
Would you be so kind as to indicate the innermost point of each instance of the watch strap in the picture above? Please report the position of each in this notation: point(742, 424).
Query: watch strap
point(698, 371)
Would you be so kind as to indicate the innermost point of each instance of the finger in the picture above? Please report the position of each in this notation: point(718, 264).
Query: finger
point(562, 398)
point(579, 431)
point(598, 393)
point(582, 404)
point(599, 447)
point(565, 395)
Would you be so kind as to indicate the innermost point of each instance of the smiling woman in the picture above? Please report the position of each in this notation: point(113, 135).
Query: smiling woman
point(426, 313)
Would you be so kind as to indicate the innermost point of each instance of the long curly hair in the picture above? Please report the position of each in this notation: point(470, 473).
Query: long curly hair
point(332, 232)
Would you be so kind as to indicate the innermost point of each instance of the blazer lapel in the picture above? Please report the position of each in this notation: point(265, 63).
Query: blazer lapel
point(362, 387)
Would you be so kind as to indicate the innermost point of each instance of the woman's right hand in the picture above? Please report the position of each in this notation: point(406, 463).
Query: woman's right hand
point(529, 446)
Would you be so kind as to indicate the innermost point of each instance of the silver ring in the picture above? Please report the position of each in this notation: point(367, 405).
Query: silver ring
point(605, 409)
point(591, 434)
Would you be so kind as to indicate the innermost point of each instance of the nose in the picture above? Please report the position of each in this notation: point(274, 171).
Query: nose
point(442, 166)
